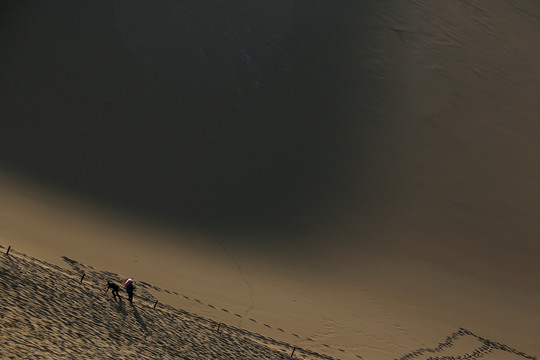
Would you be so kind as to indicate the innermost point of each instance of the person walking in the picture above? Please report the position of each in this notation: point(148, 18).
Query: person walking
point(128, 285)
point(114, 288)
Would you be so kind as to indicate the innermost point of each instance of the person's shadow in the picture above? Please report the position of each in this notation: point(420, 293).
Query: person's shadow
point(139, 319)
point(119, 305)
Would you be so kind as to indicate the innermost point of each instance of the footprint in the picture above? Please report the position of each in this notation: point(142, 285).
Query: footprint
point(224, 310)
point(70, 261)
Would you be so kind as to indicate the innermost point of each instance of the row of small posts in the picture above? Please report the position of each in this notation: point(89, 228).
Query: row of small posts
point(219, 327)
point(155, 304)
point(82, 276)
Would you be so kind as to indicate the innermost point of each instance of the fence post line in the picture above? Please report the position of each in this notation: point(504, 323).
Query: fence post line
point(9, 248)
point(292, 354)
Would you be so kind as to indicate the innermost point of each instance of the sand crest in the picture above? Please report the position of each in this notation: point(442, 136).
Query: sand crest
point(358, 179)
point(52, 312)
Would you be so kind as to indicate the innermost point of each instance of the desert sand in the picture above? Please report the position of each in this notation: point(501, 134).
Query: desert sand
point(49, 311)
point(354, 179)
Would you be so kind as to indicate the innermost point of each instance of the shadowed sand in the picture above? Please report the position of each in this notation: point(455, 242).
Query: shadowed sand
point(51, 312)
point(354, 175)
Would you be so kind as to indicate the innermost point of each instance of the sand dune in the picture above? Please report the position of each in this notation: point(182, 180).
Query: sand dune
point(363, 174)
point(49, 311)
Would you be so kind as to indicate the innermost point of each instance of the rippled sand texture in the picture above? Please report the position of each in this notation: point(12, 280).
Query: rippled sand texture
point(50, 312)
point(359, 177)
point(47, 312)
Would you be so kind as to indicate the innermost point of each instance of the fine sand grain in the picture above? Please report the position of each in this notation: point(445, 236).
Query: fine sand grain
point(49, 312)
point(358, 179)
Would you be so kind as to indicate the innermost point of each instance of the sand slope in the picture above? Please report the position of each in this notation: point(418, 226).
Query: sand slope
point(46, 312)
point(49, 312)
point(360, 173)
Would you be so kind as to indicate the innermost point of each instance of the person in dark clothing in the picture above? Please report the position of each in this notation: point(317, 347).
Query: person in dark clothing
point(114, 288)
point(128, 285)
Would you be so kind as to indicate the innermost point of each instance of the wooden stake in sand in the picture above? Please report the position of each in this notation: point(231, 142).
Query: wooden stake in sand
point(292, 354)
point(218, 326)
point(82, 277)
point(9, 248)
point(155, 304)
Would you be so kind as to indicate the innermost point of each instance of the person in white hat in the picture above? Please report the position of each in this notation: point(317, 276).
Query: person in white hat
point(128, 285)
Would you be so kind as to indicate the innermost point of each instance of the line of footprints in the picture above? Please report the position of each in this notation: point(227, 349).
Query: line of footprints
point(486, 347)
point(240, 316)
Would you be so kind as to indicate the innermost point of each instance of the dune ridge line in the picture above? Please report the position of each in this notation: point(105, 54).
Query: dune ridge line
point(49, 311)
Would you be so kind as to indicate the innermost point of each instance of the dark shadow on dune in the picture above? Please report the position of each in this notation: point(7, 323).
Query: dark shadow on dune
point(139, 319)
point(245, 117)
point(15, 283)
point(119, 305)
